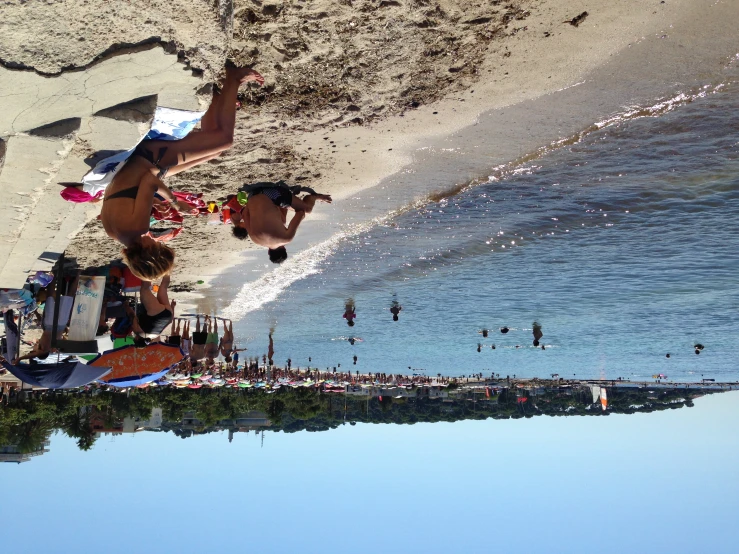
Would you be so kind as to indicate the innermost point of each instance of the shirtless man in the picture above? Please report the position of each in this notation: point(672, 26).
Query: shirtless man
point(396, 308)
point(227, 342)
point(350, 313)
point(537, 333)
point(197, 349)
point(264, 218)
point(211, 341)
point(271, 350)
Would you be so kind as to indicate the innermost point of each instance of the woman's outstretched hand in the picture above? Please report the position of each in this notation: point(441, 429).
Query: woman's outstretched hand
point(185, 207)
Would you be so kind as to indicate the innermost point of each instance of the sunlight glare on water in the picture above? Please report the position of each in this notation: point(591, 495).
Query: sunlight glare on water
point(620, 245)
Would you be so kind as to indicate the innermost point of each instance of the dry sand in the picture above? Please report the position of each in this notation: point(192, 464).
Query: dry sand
point(352, 88)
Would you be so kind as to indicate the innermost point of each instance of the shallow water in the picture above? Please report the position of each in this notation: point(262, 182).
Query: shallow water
point(620, 245)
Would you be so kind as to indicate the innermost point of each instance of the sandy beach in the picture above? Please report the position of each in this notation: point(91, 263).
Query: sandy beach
point(354, 92)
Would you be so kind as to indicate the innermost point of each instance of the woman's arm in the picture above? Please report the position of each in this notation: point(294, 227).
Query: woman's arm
point(142, 208)
point(179, 205)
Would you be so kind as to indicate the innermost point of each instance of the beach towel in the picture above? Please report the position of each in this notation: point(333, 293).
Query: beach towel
point(17, 299)
point(194, 200)
point(73, 194)
point(168, 124)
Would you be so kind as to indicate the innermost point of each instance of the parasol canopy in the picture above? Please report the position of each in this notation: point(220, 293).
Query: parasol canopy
point(132, 363)
point(65, 375)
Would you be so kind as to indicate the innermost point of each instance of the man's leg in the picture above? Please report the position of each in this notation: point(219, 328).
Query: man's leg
point(306, 204)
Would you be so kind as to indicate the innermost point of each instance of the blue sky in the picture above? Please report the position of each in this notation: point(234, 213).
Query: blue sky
point(641, 483)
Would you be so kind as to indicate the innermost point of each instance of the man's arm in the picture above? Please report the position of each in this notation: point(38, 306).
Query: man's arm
point(294, 224)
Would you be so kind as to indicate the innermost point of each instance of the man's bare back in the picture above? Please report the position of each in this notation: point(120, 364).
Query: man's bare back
point(266, 222)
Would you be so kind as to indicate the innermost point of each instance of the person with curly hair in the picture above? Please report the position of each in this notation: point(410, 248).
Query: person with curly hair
point(130, 197)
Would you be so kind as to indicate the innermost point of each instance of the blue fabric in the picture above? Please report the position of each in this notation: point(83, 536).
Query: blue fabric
point(168, 124)
point(134, 381)
point(68, 375)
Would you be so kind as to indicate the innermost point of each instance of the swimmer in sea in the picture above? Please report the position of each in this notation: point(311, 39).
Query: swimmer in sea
point(395, 310)
point(350, 313)
point(537, 333)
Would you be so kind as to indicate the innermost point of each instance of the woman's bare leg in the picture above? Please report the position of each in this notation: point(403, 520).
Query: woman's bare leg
point(162, 296)
point(306, 204)
point(208, 123)
point(214, 140)
point(192, 163)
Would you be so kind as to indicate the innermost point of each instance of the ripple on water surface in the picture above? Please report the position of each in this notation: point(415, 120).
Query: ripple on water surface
point(621, 245)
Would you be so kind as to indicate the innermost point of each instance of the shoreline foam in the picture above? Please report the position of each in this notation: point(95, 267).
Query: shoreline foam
point(532, 63)
point(569, 112)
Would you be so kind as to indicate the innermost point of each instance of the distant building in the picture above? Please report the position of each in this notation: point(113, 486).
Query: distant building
point(11, 454)
point(243, 423)
point(134, 424)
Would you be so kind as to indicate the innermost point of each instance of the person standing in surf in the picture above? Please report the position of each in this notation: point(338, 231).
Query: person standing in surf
point(537, 333)
point(350, 313)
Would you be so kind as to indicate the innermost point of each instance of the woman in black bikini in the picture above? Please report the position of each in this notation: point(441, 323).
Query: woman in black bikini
point(154, 313)
point(129, 198)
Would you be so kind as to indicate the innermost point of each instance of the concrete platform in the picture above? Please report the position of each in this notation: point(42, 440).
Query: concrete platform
point(55, 129)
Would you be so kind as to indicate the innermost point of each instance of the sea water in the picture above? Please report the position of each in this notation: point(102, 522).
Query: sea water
point(622, 246)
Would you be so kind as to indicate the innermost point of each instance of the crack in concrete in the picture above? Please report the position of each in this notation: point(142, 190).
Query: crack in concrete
point(111, 52)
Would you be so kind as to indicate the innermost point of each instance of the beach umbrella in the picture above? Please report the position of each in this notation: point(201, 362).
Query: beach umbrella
point(65, 375)
point(132, 363)
point(136, 381)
